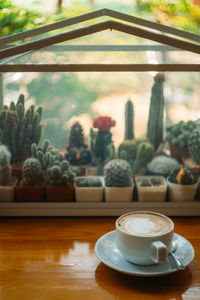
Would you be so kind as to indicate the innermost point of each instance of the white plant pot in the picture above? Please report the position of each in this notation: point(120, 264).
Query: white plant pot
point(7, 193)
point(119, 194)
point(180, 192)
point(151, 193)
point(88, 194)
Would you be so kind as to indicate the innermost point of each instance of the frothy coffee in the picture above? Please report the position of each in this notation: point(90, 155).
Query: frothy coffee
point(145, 224)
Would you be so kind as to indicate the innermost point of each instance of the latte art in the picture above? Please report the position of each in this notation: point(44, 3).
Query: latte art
point(145, 224)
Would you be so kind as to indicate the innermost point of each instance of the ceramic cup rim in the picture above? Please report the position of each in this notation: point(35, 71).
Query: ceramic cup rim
point(144, 236)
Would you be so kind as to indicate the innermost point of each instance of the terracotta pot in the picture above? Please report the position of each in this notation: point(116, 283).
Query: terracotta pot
point(29, 193)
point(59, 193)
point(178, 153)
point(7, 193)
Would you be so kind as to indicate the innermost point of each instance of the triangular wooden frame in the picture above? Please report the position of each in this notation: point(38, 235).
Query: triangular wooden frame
point(98, 27)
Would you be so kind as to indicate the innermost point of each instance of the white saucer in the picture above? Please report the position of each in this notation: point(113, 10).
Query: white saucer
point(108, 253)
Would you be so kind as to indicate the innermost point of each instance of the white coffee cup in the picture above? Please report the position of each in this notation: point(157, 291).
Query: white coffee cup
point(144, 237)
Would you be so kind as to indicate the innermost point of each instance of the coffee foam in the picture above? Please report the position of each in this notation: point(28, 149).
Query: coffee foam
point(145, 224)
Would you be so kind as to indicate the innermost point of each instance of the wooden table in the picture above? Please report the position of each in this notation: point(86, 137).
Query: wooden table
point(54, 258)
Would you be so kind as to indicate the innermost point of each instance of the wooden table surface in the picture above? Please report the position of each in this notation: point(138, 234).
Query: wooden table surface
point(54, 258)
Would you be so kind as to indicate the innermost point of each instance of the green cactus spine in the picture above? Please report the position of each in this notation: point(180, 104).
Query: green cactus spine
point(5, 168)
point(129, 121)
point(77, 149)
point(60, 175)
point(32, 173)
point(118, 173)
point(155, 122)
point(194, 146)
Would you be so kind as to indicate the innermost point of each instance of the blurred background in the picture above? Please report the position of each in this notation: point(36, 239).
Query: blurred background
point(70, 97)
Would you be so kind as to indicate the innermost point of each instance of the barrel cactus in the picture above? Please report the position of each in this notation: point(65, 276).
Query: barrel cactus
point(60, 175)
point(32, 173)
point(90, 182)
point(5, 168)
point(194, 146)
point(118, 173)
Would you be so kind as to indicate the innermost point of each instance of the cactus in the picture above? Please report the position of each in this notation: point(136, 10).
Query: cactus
point(46, 154)
point(155, 122)
point(144, 155)
point(90, 182)
point(60, 175)
point(128, 150)
point(162, 165)
point(118, 173)
point(19, 129)
point(77, 150)
point(5, 168)
point(129, 121)
point(185, 176)
point(194, 146)
point(32, 173)
point(179, 134)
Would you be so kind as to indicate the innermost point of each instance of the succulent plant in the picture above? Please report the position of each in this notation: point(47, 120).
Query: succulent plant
point(185, 176)
point(156, 111)
point(20, 128)
point(32, 173)
point(77, 149)
point(194, 146)
point(118, 173)
point(162, 165)
point(179, 134)
point(60, 175)
point(127, 150)
point(129, 121)
point(46, 154)
point(90, 182)
point(144, 155)
point(5, 168)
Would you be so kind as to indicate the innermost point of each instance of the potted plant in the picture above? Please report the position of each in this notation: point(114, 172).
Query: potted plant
point(7, 188)
point(60, 183)
point(182, 184)
point(89, 188)
point(151, 188)
point(118, 181)
point(31, 188)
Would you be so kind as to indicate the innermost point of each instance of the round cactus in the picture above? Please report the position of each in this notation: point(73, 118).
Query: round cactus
point(32, 173)
point(194, 146)
point(118, 173)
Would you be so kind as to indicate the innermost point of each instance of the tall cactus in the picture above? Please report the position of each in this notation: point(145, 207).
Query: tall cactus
point(5, 168)
point(156, 111)
point(129, 121)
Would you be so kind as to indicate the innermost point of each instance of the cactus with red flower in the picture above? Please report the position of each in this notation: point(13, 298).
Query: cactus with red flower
point(103, 147)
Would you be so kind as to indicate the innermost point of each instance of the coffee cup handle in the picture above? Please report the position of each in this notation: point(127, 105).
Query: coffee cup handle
point(159, 252)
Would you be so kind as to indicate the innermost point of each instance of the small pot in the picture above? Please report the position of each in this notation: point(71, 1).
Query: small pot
point(59, 193)
point(7, 193)
point(119, 194)
point(151, 193)
point(180, 192)
point(29, 193)
point(88, 194)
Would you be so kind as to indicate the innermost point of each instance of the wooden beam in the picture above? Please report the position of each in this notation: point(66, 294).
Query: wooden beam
point(156, 37)
point(132, 30)
point(38, 44)
point(102, 68)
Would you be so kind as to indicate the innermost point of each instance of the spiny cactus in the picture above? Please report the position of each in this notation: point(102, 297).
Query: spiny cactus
point(128, 150)
point(185, 176)
point(60, 175)
point(194, 146)
point(144, 155)
point(20, 128)
point(32, 173)
point(155, 122)
point(77, 149)
point(5, 168)
point(129, 121)
point(118, 173)
point(46, 154)
point(90, 182)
